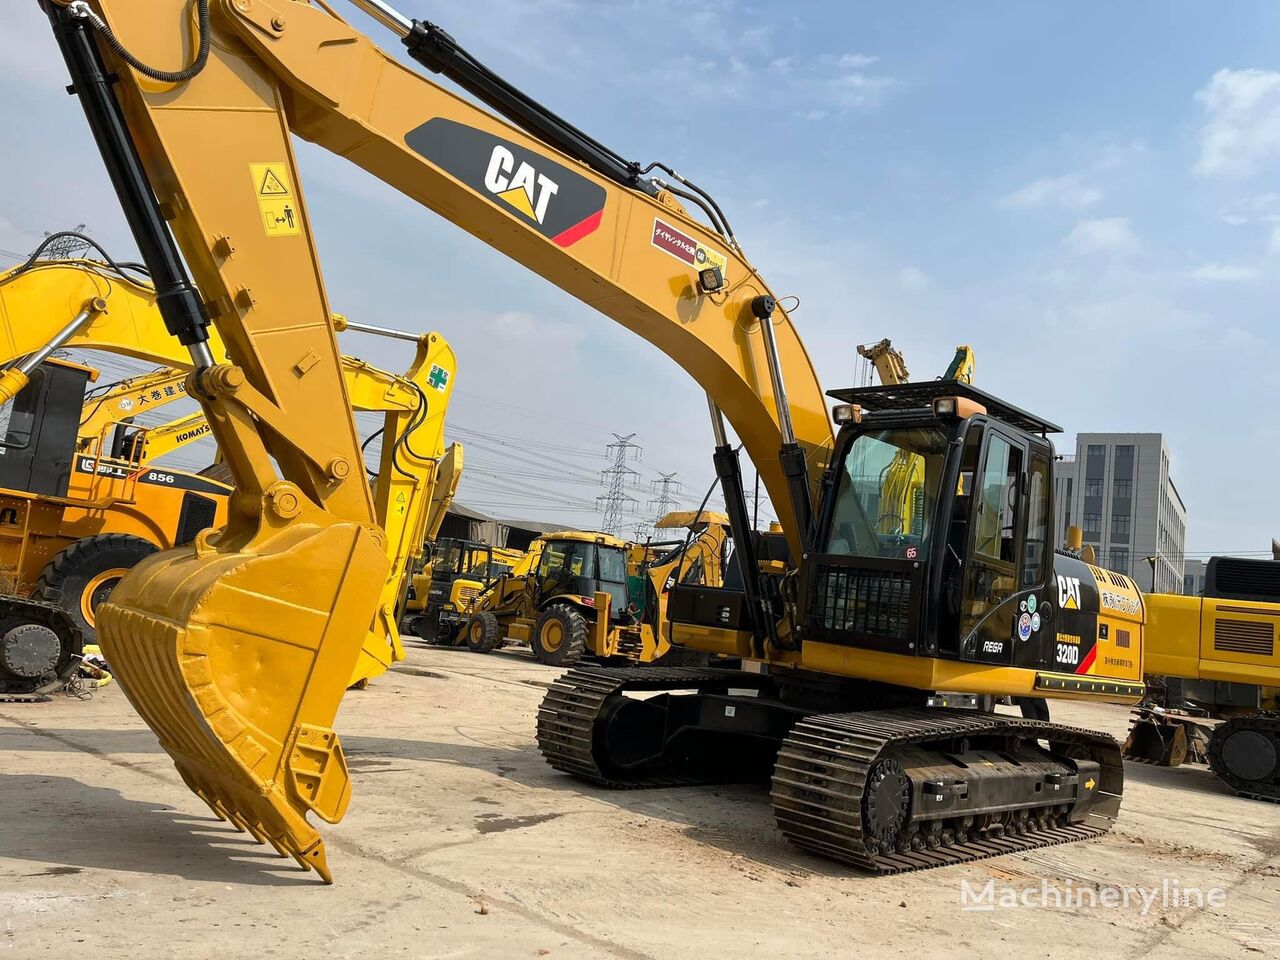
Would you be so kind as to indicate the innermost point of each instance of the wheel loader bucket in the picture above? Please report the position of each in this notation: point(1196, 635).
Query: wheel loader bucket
point(238, 659)
point(1152, 740)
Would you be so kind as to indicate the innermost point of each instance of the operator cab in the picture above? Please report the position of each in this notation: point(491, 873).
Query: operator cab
point(931, 538)
point(582, 565)
point(455, 558)
point(936, 490)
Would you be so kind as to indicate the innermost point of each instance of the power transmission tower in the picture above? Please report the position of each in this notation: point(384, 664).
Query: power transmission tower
point(666, 486)
point(618, 478)
point(66, 248)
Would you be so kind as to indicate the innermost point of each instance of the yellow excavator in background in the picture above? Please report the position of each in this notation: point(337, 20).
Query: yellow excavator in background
point(1222, 647)
point(81, 512)
point(697, 559)
point(192, 104)
point(903, 480)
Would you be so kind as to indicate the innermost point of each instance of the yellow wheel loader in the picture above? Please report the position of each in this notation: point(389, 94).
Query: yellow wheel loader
point(82, 500)
point(848, 627)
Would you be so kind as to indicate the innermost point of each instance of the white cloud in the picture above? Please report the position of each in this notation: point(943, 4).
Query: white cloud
point(1111, 235)
point(857, 61)
point(1065, 191)
point(1223, 273)
point(1241, 133)
point(913, 278)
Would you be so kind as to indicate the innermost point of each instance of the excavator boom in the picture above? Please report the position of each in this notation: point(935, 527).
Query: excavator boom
point(193, 103)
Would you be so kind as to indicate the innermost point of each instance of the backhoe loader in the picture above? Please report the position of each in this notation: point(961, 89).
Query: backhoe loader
point(82, 512)
point(577, 594)
point(444, 584)
point(567, 598)
point(192, 104)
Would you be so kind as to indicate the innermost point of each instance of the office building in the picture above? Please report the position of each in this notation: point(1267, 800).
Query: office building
point(1118, 490)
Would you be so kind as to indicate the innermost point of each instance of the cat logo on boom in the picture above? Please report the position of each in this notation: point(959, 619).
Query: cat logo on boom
point(558, 202)
point(1068, 593)
point(521, 186)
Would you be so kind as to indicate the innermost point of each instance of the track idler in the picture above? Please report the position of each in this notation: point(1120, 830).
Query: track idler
point(1245, 753)
point(40, 647)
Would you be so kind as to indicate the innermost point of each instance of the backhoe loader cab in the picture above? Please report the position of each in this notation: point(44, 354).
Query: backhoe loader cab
point(569, 598)
point(450, 577)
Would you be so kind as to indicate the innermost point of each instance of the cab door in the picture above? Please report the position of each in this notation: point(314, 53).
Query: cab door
point(989, 608)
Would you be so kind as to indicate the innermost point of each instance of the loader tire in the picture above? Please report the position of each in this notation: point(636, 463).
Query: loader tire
point(484, 633)
point(81, 576)
point(559, 635)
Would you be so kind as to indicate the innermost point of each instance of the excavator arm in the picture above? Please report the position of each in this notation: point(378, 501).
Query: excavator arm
point(192, 105)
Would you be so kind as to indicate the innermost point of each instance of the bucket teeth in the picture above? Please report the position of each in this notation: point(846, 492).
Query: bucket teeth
point(238, 663)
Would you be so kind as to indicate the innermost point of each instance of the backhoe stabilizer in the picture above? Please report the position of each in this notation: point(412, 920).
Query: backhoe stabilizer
point(237, 656)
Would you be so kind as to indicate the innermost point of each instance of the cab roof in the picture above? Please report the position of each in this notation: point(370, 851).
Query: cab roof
point(913, 396)
point(585, 536)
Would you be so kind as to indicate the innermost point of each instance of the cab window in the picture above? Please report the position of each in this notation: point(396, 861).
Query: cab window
point(998, 502)
point(1037, 523)
point(888, 493)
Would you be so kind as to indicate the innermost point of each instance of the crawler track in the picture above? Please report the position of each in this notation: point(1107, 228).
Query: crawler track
point(1263, 729)
point(573, 704)
point(824, 766)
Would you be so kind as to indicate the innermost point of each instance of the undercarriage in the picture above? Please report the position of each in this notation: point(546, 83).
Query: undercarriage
point(863, 774)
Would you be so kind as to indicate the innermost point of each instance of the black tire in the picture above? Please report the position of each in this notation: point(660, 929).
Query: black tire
point(559, 635)
point(82, 575)
point(484, 633)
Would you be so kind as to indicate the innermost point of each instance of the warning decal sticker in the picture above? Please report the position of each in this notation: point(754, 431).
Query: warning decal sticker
point(277, 203)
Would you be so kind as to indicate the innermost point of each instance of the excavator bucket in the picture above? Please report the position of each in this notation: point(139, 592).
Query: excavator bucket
point(1166, 739)
point(1153, 740)
point(237, 656)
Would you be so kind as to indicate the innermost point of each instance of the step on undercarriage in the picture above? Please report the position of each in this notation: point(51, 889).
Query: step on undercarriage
point(883, 789)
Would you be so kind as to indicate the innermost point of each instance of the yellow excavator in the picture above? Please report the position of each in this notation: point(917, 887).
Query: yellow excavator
point(193, 104)
point(84, 502)
point(903, 480)
point(1220, 652)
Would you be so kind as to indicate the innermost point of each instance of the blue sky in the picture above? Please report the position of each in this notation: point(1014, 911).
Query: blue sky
point(1086, 193)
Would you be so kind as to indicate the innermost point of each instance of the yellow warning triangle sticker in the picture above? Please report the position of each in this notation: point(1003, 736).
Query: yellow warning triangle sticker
point(272, 186)
point(519, 199)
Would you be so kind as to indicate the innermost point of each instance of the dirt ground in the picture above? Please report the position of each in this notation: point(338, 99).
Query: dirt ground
point(461, 842)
